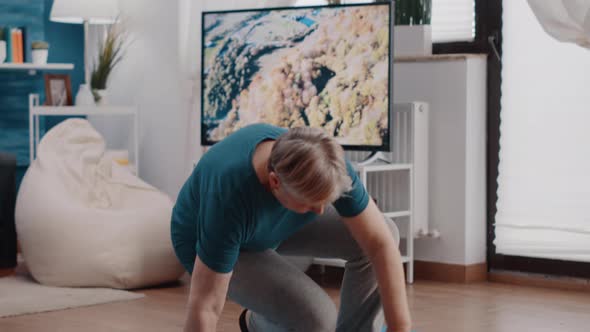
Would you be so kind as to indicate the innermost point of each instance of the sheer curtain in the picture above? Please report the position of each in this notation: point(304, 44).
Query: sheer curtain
point(544, 171)
point(564, 20)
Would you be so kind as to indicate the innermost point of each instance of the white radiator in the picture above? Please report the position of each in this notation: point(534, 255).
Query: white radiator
point(409, 146)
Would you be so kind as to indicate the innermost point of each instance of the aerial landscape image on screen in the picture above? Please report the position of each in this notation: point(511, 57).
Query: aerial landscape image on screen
point(321, 67)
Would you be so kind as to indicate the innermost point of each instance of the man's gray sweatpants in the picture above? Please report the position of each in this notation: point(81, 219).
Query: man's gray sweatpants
point(281, 297)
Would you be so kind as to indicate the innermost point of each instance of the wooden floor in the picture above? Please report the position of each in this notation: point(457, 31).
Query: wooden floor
point(435, 307)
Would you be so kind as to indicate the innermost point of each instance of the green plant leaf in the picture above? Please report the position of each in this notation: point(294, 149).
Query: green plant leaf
point(110, 54)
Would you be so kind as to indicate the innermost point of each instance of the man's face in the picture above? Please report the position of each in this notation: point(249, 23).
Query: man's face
point(288, 201)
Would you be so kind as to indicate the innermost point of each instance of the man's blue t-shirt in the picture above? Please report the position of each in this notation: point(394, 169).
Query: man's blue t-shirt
point(224, 208)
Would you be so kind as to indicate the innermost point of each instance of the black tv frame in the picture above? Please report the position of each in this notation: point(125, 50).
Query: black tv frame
point(387, 141)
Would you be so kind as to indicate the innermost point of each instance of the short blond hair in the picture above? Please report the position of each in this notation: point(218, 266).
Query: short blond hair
point(310, 165)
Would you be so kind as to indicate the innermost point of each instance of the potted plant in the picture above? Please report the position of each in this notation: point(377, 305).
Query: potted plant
point(412, 32)
point(413, 12)
point(109, 55)
point(39, 52)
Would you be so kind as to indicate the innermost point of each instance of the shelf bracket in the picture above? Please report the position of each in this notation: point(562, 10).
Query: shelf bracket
point(374, 157)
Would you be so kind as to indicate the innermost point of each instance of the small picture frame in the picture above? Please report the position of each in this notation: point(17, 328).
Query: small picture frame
point(58, 90)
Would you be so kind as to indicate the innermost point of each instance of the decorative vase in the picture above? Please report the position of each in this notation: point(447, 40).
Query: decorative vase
point(412, 40)
point(101, 97)
point(412, 32)
point(2, 51)
point(84, 96)
point(39, 56)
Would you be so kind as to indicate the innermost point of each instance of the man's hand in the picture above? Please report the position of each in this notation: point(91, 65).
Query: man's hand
point(206, 298)
point(401, 329)
point(374, 237)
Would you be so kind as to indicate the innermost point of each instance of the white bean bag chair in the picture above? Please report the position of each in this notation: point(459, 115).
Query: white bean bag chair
point(83, 220)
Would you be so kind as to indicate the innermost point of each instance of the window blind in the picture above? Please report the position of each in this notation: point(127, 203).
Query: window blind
point(453, 20)
point(544, 178)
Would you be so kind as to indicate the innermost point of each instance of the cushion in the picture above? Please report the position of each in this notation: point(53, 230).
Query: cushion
point(83, 220)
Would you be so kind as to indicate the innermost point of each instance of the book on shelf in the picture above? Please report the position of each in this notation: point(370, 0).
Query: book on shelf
point(7, 37)
point(15, 38)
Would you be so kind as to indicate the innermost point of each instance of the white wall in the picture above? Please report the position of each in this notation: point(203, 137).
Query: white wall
point(475, 162)
point(150, 77)
point(455, 89)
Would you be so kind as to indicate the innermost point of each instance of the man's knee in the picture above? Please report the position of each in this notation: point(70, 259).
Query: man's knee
point(318, 315)
point(319, 319)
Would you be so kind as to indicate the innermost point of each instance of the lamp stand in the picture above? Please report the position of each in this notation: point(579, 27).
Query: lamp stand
point(84, 96)
point(86, 71)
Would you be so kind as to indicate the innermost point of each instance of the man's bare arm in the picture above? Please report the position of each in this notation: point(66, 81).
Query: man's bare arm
point(206, 298)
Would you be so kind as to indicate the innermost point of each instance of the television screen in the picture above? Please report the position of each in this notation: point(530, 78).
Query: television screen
point(322, 66)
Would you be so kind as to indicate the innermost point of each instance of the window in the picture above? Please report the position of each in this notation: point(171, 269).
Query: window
point(542, 146)
point(453, 21)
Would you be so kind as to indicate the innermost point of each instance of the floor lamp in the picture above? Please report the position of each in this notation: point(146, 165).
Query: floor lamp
point(84, 12)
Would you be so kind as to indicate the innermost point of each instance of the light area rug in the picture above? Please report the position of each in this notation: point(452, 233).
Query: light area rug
point(21, 294)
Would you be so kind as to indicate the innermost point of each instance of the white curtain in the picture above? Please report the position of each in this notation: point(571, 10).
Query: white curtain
point(564, 20)
point(544, 171)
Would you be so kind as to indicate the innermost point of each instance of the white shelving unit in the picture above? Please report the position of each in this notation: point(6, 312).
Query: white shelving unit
point(399, 214)
point(36, 111)
point(32, 67)
point(409, 255)
point(401, 184)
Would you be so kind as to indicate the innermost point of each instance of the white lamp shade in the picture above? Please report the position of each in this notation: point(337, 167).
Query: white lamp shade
point(78, 11)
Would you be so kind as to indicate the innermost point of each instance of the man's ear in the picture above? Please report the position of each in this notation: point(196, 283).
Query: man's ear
point(273, 180)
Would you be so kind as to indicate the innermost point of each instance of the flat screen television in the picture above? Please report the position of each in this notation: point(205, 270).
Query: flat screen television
point(321, 66)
